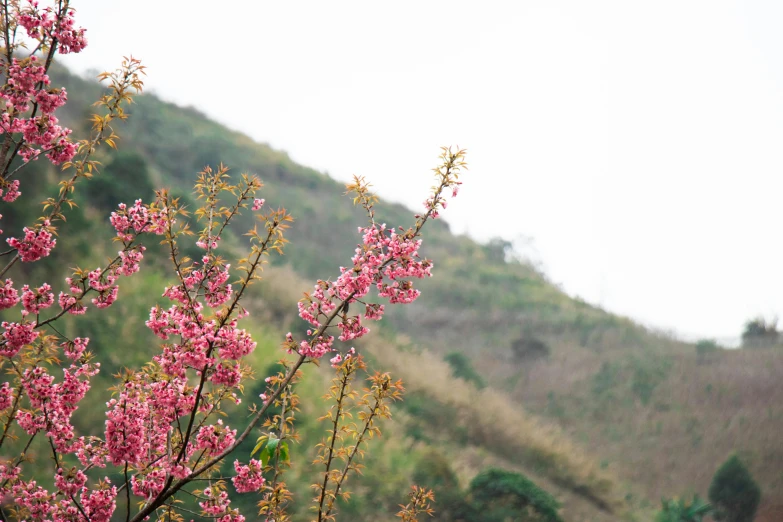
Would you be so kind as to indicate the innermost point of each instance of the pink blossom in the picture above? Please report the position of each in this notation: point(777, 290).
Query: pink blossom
point(71, 304)
point(71, 38)
point(126, 429)
point(130, 222)
point(9, 297)
point(37, 500)
point(147, 485)
point(233, 343)
point(373, 311)
point(37, 243)
point(216, 502)
point(352, 328)
point(217, 290)
point(6, 396)
point(36, 300)
point(225, 375)
point(100, 504)
point(321, 346)
point(74, 349)
point(106, 297)
point(129, 261)
point(214, 438)
point(248, 478)
point(11, 191)
point(71, 483)
point(16, 335)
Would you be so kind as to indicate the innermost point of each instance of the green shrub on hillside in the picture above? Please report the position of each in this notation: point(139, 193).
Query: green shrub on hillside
point(760, 333)
point(530, 348)
point(462, 368)
point(734, 493)
point(500, 495)
point(706, 347)
point(647, 375)
point(605, 379)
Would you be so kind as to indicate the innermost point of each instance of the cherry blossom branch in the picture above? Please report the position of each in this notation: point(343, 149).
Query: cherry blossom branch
point(248, 278)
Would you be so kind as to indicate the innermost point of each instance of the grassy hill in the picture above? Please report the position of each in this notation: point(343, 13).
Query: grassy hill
point(597, 410)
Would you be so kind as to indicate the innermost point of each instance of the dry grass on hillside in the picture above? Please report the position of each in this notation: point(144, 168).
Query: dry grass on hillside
point(501, 426)
point(701, 410)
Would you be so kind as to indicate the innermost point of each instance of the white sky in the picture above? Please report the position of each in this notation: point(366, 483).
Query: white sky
point(638, 143)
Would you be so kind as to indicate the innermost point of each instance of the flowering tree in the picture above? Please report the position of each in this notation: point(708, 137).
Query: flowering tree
point(163, 432)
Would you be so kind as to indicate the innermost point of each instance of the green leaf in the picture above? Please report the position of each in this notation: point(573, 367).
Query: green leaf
point(284, 452)
point(268, 451)
point(258, 445)
point(267, 444)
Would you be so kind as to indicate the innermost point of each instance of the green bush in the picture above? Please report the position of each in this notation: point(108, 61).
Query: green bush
point(647, 375)
point(500, 495)
point(530, 348)
point(605, 379)
point(734, 493)
point(462, 368)
point(705, 347)
point(760, 333)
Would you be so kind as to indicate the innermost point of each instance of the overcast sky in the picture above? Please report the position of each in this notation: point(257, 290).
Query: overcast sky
point(638, 143)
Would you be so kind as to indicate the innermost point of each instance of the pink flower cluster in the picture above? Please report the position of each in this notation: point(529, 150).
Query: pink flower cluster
point(208, 242)
point(98, 505)
point(128, 223)
point(387, 260)
point(141, 419)
point(352, 328)
point(338, 359)
point(36, 300)
point(214, 438)
point(50, 25)
point(128, 437)
point(248, 478)
point(148, 485)
point(318, 348)
point(9, 297)
point(159, 422)
point(139, 423)
point(71, 483)
point(216, 503)
point(138, 420)
point(15, 336)
point(212, 278)
point(54, 403)
point(28, 85)
point(199, 343)
point(11, 191)
point(36, 244)
point(74, 349)
point(103, 282)
point(6, 396)
point(130, 260)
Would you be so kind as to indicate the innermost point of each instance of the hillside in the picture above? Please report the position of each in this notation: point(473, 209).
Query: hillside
point(602, 413)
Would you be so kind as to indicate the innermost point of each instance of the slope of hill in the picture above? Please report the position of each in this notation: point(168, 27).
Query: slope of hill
point(606, 415)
